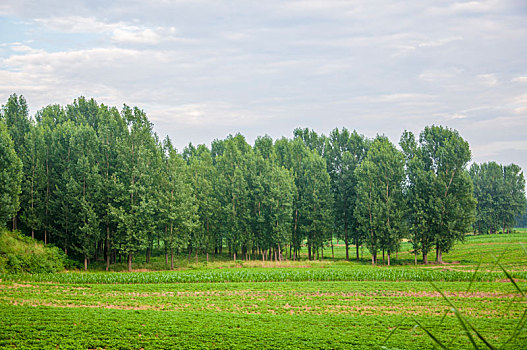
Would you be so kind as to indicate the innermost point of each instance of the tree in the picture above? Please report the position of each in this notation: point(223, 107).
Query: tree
point(380, 203)
point(10, 176)
point(202, 176)
point(313, 202)
point(111, 129)
point(134, 210)
point(179, 210)
point(15, 114)
point(85, 176)
point(34, 180)
point(316, 203)
point(47, 121)
point(440, 192)
point(500, 193)
point(232, 167)
point(344, 153)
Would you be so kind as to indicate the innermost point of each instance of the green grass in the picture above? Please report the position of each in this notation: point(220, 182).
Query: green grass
point(329, 304)
point(247, 315)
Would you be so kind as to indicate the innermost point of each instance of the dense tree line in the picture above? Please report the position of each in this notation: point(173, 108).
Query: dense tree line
point(99, 183)
point(500, 192)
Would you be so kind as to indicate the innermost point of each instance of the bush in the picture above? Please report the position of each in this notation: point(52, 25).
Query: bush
point(20, 254)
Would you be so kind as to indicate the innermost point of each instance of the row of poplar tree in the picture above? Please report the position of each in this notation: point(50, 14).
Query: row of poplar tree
point(100, 184)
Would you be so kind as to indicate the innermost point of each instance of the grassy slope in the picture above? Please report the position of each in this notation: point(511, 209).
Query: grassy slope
point(308, 314)
point(22, 254)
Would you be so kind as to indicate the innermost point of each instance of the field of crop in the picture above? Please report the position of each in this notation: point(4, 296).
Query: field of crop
point(331, 304)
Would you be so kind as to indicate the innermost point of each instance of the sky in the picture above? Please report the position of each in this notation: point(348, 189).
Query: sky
point(205, 69)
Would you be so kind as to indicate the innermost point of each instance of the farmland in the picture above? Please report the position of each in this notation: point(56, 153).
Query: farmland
point(251, 304)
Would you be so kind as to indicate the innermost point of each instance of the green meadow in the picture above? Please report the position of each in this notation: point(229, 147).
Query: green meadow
point(467, 302)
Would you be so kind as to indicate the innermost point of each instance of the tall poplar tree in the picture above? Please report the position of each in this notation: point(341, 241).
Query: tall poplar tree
point(10, 176)
point(440, 192)
point(380, 203)
point(15, 114)
point(500, 194)
point(344, 153)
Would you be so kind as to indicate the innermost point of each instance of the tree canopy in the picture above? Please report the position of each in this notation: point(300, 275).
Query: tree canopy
point(100, 184)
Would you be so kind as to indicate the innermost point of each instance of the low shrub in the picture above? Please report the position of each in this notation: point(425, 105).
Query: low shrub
point(21, 254)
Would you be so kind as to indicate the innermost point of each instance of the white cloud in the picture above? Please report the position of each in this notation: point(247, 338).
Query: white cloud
point(519, 79)
point(77, 24)
point(464, 7)
point(208, 68)
point(456, 116)
point(439, 74)
point(494, 148)
point(519, 104)
point(487, 79)
point(119, 32)
point(136, 36)
point(439, 42)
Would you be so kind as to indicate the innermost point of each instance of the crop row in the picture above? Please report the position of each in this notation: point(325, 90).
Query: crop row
point(263, 275)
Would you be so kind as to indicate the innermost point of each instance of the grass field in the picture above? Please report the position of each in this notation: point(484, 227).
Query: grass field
point(329, 304)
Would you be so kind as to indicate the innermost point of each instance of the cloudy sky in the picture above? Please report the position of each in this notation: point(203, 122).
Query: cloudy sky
point(204, 69)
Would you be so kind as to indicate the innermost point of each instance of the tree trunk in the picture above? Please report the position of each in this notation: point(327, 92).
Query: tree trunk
point(171, 258)
point(383, 256)
point(108, 261)
point(85, 263)
point(425, 258)
point(235, 256)
point(332, 251)
point(207, 257)
point(346, 242)
point(45, 237)
point(129, 262)
point(148, 252)
point(415, 257)
point(108, 248)
point(357, 248)
point(388, 258)
point(309, 251)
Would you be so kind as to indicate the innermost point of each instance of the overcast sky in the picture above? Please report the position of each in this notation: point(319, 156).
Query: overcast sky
point(204, 69)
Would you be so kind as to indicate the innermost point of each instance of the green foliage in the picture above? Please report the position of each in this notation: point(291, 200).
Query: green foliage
point(380, 204)
point(21, 254)
point(98, 183)
point(500, 192)
point(344, 153)
point(440, 192)
point(265, 275)
point(10, 176)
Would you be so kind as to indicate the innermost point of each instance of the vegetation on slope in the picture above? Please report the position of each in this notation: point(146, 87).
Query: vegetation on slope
point(19, 253)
